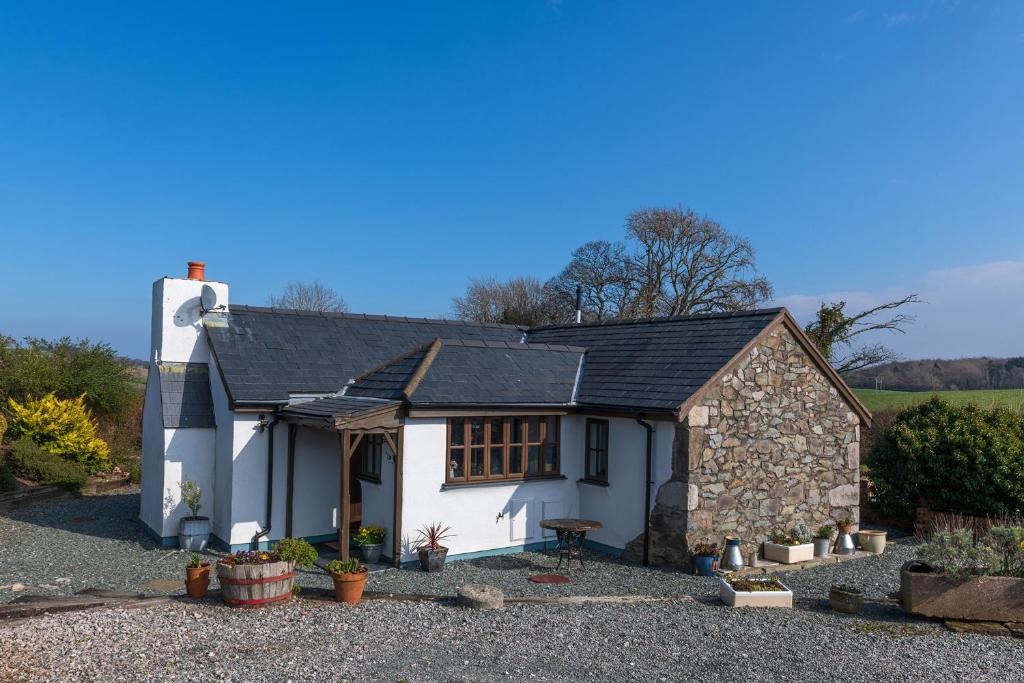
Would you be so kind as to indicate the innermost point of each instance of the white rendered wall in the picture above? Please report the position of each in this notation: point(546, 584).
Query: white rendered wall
point(188, 455)
point(249, 477)
point(483, 517)
point(151, 500)
point(317, 482)
point(379, 499)
point(177, 333)
point(620, 505)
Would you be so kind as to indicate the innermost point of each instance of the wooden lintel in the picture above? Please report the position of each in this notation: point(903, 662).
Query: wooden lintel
point(388, 418)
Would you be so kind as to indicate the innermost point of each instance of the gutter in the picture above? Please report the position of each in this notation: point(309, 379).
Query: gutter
point(268, 425)
point(647, 489)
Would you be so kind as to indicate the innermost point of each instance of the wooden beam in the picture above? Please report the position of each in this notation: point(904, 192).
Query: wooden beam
point(354, 439)
point(396, 527)
point(388, 417)
point(391, 443)
point(421, 370)
point(344, 502)
point(290, 491)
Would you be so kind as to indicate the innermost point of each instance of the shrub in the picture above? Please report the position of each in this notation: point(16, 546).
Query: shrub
point(7, 480)
point(63, 427)
point(3, 427)
point(68, 369)
point(29, 460)
point(959, 554)
point(962, 458)
point(192, 496)
point(297, 550)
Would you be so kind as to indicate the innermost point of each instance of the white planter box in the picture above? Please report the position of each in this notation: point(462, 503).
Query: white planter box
point(788, 554)
point(734, 598)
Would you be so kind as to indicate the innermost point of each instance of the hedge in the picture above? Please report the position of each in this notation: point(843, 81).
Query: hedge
point(29, 460)
point(961, 458)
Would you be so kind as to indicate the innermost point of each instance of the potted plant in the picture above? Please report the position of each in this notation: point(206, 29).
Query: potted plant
point(846, 599)
point(194, 530)
point(349, 580)
point(871, 540)
point(790, 548)
point(429, 549)
point(197, 576)
point(257, 578)
point(822, 540)
point(845, 524)
point(705, 558)
point(371, 542)
point(761, 592)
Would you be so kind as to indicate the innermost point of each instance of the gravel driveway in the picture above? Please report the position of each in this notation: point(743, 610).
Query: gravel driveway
point(65, 546)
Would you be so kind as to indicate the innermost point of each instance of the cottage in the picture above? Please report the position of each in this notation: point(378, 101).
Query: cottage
point(669, 431)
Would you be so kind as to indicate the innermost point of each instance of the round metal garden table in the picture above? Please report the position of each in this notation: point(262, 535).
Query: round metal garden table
point(570, 534)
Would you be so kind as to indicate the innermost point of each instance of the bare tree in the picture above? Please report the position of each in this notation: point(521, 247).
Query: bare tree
point(600, 270)
point(684, 264)
point(519, 301)
point(834, 332)
point(308, 296)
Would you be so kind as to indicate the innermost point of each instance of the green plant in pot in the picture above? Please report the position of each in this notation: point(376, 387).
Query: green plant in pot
point(371, 542)
point(429, 549)
point(349, 578)
point(197, 576)
point(194, 530)
point(823, 539)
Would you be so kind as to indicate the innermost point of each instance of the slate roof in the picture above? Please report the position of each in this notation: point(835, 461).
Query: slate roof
point(654, 364)
point(185, 398)
point(264, 354)
point(466, 371)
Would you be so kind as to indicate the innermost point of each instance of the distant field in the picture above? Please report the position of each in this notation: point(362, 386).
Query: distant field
point(883, 400)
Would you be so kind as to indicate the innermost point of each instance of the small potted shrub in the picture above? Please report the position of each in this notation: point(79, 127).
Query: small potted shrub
point(349, 580)
point(790, 548)
point(429, 549)
point(845, 524)
point(371, 542)
point(197, 576)
point(705, 558)
point(822, 540)
point(760, 592)
point(194, 530)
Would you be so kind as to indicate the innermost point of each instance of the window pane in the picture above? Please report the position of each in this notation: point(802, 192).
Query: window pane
point(497, 430)
point(457, 464)
point(515, 430)
point(476, 462)
point(515, 460)
point(550, 459)
point(458, 425)
point(497, 461)
point(533, 459)
point(603, 432)
point(594, 434)
point(476, 431)
point(534, 424)
point(602, 466)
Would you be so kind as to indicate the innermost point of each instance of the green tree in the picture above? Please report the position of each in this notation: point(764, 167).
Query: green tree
point(834, 332)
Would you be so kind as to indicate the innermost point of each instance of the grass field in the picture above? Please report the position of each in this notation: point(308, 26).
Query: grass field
point(887, 400)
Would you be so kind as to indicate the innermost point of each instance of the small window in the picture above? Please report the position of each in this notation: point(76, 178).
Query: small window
point(371, 448)
point(597, 451)
point(497, 448)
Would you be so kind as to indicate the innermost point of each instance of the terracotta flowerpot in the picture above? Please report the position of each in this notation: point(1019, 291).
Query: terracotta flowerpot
point(197, 580)
point(348, 588)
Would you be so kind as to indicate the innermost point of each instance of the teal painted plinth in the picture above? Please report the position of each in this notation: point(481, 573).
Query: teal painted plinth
point(525, 548)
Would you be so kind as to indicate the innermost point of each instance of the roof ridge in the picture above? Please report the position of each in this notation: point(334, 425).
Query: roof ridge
point(245, 308)
point(663, 319)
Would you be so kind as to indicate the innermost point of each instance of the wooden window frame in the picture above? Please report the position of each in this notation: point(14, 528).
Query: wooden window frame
point(371, 448)
point(548, 425)
point(597, 451)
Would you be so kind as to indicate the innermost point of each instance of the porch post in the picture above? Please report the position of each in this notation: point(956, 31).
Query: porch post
point(396, 536)
point(344, 512)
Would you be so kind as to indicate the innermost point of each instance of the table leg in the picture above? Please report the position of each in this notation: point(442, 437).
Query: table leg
point(579, 549)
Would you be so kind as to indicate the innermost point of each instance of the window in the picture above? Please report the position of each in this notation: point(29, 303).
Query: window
point(371, 448)
point(500, 448)
point(597, 451)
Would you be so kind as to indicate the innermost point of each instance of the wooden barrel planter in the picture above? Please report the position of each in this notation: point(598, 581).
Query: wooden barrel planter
point(256, 585)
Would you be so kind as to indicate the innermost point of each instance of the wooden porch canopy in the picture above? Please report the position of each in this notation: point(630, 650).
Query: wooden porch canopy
point(352, 418)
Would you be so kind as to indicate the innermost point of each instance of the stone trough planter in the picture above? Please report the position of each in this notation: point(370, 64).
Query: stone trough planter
point(981, 598)
point(788, 554)
point(735, 598)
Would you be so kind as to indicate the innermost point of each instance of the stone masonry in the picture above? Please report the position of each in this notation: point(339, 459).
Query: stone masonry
point(773, 443)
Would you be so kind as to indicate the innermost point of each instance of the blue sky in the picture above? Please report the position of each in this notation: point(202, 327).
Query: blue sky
point(395, 151)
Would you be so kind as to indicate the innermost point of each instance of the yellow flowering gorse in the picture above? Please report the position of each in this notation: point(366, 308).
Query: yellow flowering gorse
point(63, 427)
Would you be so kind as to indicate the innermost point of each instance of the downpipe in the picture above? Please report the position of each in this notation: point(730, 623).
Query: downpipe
point(648, 483)
point(268, 426)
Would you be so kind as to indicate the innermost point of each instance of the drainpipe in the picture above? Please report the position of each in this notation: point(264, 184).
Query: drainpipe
point(268, 425)
point(647, 488)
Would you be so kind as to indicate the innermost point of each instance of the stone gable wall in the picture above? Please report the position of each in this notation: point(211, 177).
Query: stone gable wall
point(772, 444)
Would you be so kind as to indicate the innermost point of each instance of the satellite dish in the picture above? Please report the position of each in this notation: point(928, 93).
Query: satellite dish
point(208, 299)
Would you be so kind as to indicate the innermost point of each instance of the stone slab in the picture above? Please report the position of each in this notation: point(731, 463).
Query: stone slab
point(480, 596)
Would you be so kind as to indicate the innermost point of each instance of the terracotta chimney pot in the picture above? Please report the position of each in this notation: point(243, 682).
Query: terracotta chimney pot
point(196, 270)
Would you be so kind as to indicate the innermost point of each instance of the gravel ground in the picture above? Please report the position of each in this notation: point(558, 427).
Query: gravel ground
point(58, 548)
